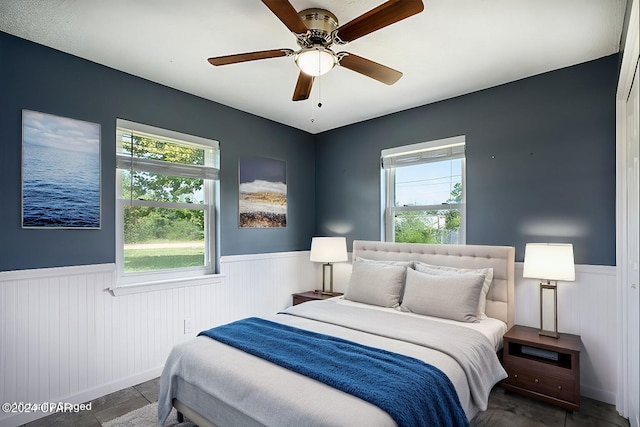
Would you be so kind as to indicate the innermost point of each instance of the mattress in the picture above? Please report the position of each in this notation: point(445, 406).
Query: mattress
point(229, 387)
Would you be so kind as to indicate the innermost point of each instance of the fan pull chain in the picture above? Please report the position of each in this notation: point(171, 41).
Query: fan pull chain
point(319, 86)
point(319, 92)
point(319, 104)
point(313, 110)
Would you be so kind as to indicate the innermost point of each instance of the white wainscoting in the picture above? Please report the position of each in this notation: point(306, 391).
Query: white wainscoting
point(586, 307)
point(65, 338)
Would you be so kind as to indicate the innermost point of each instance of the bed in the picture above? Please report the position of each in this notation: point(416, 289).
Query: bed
point(460, 294)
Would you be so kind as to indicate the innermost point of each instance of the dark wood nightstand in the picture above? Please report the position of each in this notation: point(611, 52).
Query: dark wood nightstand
point(543, 368)
point(312, 296)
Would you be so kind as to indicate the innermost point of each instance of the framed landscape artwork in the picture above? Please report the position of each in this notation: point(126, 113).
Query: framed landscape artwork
point(60, 172)
point(263, 193)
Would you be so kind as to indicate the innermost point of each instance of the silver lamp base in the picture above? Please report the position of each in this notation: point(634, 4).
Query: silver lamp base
point(552, 287)
point(324, 290)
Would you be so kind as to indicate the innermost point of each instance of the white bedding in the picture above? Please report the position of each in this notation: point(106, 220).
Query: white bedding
point(491, 328)
point(230, 387)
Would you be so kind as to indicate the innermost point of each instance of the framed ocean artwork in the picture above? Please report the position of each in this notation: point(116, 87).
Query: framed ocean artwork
point(263, 193)
point(60, 172)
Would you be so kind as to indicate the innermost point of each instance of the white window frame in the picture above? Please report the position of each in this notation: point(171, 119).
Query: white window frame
point(162, 279)
point(413, 154)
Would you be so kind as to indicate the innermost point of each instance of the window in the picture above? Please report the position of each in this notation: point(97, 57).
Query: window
point(166, 190)
point(423, 192)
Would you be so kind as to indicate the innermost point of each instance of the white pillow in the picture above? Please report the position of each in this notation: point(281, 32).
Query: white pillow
point(443, 270)
point(402, 263)
point(376, 283)
point(448, 296)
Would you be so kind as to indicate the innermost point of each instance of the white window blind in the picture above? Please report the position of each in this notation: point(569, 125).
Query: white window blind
point(125, 159)
point(424, 152)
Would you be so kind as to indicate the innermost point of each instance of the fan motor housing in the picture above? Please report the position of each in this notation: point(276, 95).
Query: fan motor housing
point(321, 23)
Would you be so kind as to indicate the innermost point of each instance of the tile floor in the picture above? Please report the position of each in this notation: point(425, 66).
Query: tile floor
point(105, 408)
point(505, 410)
point(511, 410)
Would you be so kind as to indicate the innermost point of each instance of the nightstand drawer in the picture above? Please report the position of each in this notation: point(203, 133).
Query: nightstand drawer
point(547, 385)
point(533, 367)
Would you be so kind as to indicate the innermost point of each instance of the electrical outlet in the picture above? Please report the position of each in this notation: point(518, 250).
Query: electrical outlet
point(188, 326)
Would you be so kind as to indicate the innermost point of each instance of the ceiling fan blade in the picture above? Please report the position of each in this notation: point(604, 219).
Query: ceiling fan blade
point(250, 56)
point(303, 87)
point(370, 68)
point(287, 14)
point(386, 14)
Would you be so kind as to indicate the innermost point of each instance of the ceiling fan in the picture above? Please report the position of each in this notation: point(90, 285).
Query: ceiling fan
point(316, 30)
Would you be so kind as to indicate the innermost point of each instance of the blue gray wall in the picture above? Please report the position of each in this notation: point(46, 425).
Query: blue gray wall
point(540, 162)
point(38, 78)
point(540, 158)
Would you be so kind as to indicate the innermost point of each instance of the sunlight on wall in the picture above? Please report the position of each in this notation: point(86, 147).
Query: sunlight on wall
point(554, 227)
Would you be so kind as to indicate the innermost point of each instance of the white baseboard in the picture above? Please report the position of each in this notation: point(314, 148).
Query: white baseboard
point(598, 394)
point(85, 396)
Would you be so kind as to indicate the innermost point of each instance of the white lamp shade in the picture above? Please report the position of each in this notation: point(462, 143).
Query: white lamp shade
point(549, 261)
point(328, 249)
point(316, 61)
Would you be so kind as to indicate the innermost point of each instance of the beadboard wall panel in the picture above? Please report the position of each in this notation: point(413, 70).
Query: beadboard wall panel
point(65, 338)
point(586, 307)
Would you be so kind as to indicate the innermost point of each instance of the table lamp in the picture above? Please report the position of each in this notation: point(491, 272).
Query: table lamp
point(328, 250)
point(549, 262)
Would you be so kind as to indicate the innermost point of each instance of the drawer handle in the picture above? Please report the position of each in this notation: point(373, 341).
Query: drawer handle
point(559, 387)
point(536, 381)
point(515, 376)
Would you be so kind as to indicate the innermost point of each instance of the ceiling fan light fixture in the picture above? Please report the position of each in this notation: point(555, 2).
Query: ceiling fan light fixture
point(316, 61)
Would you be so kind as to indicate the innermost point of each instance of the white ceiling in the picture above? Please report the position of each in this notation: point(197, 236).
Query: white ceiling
point(453, 47)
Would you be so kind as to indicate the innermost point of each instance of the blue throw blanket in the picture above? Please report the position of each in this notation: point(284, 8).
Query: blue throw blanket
point(412, 392)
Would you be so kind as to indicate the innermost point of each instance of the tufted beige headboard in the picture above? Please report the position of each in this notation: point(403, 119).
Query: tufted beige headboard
point(501, 295)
